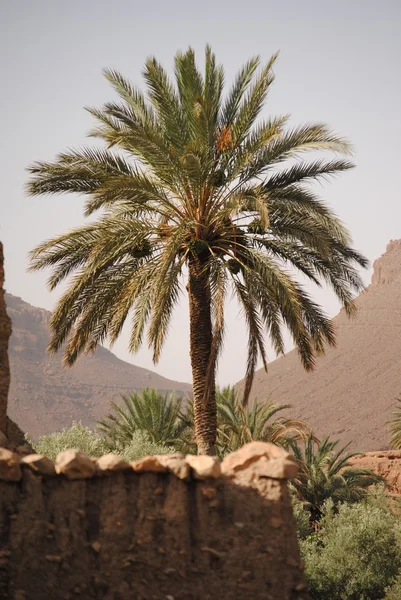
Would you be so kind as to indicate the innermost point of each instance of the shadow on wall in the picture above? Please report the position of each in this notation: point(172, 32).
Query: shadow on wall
point(165, 527)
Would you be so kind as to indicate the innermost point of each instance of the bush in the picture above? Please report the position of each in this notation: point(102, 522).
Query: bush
point(83, 438)
point(302, 519)
point(355, 554)
point(139, 446)
point(77, 436)
point(394, 592)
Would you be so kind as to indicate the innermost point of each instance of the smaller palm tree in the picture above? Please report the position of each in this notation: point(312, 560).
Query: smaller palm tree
point(395, 427)
point(155, 413)
point(238, 424)
point(326, 473)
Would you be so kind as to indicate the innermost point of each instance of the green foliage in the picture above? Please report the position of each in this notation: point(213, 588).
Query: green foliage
point(237, 424)
point(181, 174)
point(354, 555)
point(150, 411)
point(395, 427)
point(302, 519)
point(169, 421)
point(139, 446)
point(91, 443)
point(393, 592)
point(77, 436)
point(325, 473)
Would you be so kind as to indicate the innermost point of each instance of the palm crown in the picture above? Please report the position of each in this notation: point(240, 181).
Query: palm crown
point(193, 182)
point(155, 413)
point(238, 425)
point(326, 472)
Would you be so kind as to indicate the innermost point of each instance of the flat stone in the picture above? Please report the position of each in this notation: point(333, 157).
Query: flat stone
point(204, 467)
point(112, 462)
point(39, 463)
point(176, 464)
point(74, 464)
point(265, 460)
point(148, 464)
point(10, 465)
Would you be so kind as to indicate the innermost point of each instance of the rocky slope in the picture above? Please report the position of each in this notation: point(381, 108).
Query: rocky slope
point(351, 394)
point(387, 464)
point(45, 396)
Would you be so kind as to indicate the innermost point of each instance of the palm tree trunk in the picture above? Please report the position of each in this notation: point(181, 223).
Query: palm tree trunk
point(201, 336)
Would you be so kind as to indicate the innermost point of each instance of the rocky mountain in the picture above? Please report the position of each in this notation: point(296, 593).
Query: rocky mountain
point(45, 396)
point(351, 394)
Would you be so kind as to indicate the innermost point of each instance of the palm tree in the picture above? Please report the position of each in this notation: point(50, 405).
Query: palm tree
point(238, 424)
point(150, 411)
point(326, 473)
point(395, 427)
point(169, 421)
point(193, 186)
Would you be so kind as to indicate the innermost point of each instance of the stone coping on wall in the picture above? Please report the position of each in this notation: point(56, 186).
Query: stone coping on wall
point(262, 459)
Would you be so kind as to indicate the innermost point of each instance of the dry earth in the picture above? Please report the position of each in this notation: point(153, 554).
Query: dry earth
point(387, 464)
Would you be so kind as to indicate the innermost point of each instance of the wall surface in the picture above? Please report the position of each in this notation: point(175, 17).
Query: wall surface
point(136, 533)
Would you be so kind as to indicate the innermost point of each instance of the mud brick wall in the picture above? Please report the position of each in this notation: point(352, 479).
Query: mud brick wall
point(169, 527)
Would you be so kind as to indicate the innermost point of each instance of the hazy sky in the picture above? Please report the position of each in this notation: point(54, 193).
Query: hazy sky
point(339, 63)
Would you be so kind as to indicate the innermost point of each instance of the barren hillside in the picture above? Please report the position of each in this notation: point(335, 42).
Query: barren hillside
point(45, 396)
point(352, 392)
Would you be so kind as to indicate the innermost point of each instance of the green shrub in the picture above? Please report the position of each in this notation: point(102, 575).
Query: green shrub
point(394, 592)
point(302, 519)
point(91, 443)
point(77, 436)
point(139, 446)
point(355, 554)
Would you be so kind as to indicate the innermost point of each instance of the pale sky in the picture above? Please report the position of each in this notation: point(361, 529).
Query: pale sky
point(339, 63)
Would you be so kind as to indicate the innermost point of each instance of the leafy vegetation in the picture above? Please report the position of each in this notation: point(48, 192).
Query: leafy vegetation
point(91, 443)
point(394, 591)
point(139, 446)
point(325, 473)
point(191, 184)
point(169, 421)
point(151, 422)
point(77, 436)
point(354, 555)
point(238, 424)
point(156, 414)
